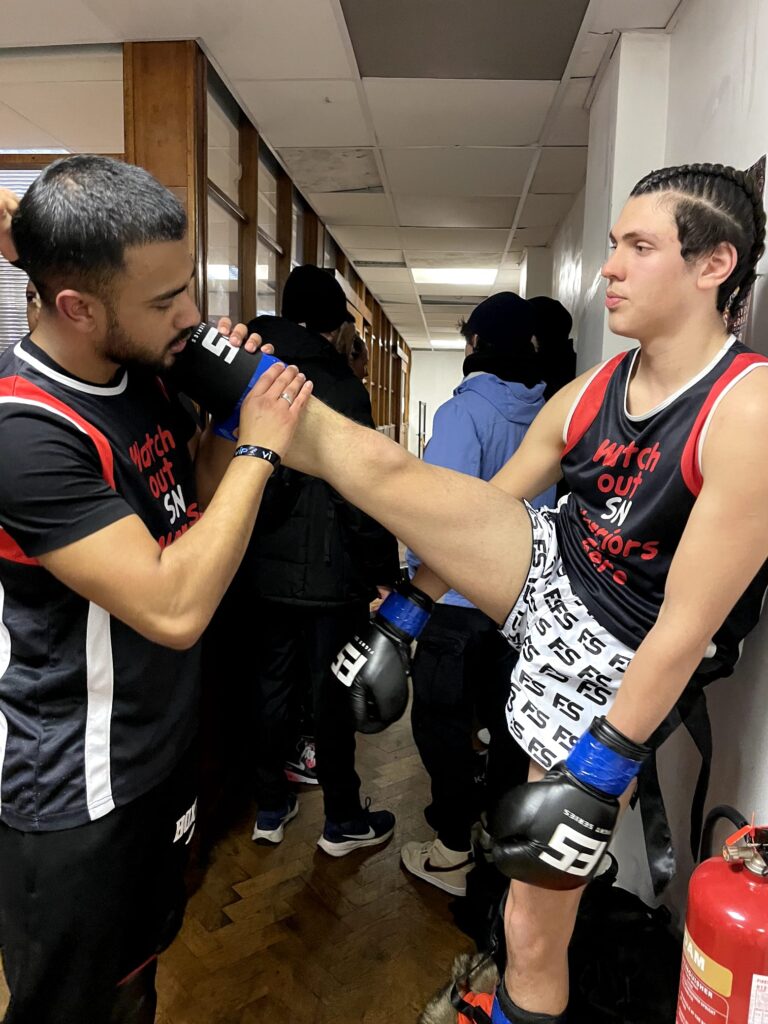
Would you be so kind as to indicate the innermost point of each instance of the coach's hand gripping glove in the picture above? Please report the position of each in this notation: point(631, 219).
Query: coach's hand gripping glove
point(218, 375)
point(553, 833)
point(375, 663)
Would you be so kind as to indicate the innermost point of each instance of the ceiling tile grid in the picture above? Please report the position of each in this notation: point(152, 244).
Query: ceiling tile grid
point(451, 112)
point(428, 135)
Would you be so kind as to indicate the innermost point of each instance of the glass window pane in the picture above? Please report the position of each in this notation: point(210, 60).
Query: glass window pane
point(223, 150)
point(13, 282)
point(297, 235)
point(267, 214)
point(223, 263)
point(329, 252)
point(266, 278)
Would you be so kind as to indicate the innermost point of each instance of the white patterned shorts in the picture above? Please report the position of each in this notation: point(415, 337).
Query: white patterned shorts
point(570, 667)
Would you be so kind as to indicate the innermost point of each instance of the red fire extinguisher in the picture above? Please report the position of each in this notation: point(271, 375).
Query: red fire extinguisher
point(724, 975)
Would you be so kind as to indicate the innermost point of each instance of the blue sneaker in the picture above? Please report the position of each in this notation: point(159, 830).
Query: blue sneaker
point(370, 829)
point(270, 825)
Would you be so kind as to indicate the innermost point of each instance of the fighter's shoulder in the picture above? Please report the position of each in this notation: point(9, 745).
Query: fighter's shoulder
point(742, 397)
point(561, 406)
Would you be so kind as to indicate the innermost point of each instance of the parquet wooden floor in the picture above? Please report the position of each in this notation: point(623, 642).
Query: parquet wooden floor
point(288, 934)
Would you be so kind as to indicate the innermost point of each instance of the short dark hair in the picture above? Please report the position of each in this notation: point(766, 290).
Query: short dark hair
point(79, 216)
point(713, 204)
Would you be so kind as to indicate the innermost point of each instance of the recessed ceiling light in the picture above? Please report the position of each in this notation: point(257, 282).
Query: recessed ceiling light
point(448, 343)
point(454, 275)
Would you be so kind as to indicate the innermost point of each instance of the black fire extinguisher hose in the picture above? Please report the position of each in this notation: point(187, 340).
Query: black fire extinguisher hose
point(715, 815)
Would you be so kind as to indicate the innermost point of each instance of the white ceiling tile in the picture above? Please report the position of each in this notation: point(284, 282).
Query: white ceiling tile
point(571, 126)
point(51, 22)
point(448, 312)
point(456, 212)
point(19, 133)
point(453, 259)
point(316, 113)
point(318, 169)
point(534, 236)
point(278, 39)
point(86, 116)
point(629, 14)
point(588, 60)
point(458, 112)
point(457, 172)
point(544, 211)
point(393, 256)
point(456, 290)
point(353, 236)
point(561, 169)
point(390, 292)
point(351, 208)
point(454, 239)
point(390, 275)
point(62, 64)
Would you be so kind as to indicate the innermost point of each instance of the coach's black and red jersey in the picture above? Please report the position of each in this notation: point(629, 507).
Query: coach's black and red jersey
point(633, 482)
point(92, 714)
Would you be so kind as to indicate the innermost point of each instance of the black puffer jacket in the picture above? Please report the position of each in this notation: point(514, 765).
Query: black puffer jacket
point(309, 546)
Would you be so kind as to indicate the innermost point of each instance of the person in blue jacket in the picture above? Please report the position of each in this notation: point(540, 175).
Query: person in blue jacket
point(462, 665)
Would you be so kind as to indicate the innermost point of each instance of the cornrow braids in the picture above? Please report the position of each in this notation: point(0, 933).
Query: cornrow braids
point(714, 204)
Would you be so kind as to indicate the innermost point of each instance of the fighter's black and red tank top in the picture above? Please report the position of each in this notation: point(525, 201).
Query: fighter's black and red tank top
point(633, 483)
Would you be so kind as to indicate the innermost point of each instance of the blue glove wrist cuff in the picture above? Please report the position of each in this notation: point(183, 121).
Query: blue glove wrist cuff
point(226, 428)
point(497, 1014)
point(403, 614)
point(595, 764)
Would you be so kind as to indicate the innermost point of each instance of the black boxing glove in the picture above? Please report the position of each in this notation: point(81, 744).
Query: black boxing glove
point(218, 375)
point(376, 662)
point(553, 833)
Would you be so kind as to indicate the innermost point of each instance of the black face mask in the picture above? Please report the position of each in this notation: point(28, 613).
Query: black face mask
point(520, 364)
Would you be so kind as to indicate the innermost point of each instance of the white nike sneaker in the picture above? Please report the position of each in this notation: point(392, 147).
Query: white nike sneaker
point(436, 864)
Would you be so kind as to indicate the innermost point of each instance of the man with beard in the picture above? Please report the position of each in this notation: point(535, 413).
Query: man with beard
point(105, 589)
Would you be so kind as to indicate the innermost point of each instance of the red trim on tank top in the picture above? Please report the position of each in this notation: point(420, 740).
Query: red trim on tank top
point(11, 552)
point(18, 387)
point(689, 460)
point(588, 404)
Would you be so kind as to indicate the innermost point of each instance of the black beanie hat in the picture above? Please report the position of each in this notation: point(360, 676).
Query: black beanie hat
point(504, 326)
point(313, 297)
point(552, 319)
point(501, 321)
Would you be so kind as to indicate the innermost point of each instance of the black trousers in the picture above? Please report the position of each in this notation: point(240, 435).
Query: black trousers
point(298, 644)
point(461, 676)
point(84, 911)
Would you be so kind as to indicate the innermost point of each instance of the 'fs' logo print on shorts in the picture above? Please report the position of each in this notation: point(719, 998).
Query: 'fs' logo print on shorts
point(569, 667)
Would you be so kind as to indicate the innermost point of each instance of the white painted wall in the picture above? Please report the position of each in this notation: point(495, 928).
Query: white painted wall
point(536, 272)
point(627, 138)
point(434, 375)
point(696, 95)
point(566, 263)
point(718, 112)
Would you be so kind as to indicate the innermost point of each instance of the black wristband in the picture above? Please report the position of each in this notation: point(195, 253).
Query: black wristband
point(616, 741)
point(258, 453)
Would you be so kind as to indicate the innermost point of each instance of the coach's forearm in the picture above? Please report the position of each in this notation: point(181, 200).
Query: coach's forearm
point(196, 569)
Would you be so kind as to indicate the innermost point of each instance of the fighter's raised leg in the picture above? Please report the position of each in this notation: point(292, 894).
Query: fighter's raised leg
point(476, 537)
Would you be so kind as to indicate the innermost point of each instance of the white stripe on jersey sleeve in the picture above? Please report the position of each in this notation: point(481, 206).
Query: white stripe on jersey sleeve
point(101, 682)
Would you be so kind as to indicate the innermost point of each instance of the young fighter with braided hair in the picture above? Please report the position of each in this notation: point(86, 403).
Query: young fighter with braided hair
point(617, 594)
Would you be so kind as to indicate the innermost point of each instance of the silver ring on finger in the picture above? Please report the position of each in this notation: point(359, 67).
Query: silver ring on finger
point(287, 398)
